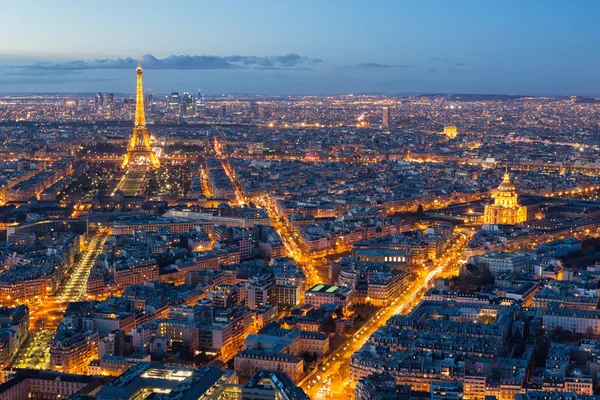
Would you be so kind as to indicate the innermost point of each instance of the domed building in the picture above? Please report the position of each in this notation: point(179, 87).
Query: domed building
point(506, 209)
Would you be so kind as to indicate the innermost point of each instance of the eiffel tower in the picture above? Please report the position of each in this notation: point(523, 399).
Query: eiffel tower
point(139, 149)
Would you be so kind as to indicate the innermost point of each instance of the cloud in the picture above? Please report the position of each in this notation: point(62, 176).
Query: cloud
point(373, 65)
point(173, 62)
point(460, 64)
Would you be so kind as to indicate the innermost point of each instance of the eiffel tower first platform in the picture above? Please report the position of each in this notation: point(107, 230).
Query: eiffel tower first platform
point(139, 150)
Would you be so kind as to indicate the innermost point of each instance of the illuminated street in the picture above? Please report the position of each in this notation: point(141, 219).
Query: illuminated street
point(313, 268)
point(36, 354)
point(335, 369)
point(75, 288)
point(45, 317)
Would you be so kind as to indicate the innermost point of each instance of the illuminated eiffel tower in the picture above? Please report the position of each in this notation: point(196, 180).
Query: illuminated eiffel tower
point(139, 149)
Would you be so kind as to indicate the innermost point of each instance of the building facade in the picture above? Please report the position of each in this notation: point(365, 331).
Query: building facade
point(506, 209)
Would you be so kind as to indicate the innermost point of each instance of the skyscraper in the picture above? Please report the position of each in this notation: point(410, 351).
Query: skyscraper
point(150, 106)
point(223, 112)
point(103, 104)
point(174, 104)
point(200, 111)
point(188, 105)
point(98, 102)
point(108, 105)
point(129, 108)
point(254, 113)
point(386, 117)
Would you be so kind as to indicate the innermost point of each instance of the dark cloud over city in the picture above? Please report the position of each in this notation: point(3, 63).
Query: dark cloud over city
point(175, 62)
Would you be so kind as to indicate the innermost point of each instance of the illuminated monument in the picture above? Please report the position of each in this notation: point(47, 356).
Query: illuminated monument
point(450, 131)
point(139, 150)
point(506, 209)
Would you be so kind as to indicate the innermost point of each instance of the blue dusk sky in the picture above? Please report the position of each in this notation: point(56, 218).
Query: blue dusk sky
point(302, 47)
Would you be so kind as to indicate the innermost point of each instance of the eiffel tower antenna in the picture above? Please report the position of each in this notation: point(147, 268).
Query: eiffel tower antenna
point(139, 144)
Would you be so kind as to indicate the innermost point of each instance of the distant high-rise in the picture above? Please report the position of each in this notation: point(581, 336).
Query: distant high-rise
point(108, 105)
point(174, 104)
point(103, 104)
point(98, 102)
point(223, 111)
point(200, 111)
point(150, 105)
point(188, 105)
point(386, 117)
point(129, 108)
point(254, 111)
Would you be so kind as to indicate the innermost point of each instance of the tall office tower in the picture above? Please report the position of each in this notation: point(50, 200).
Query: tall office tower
point(98, 103)
point(150, 106)
point(200, 110)
point(174, 104)
point(139, 145)
point(254, 112)
point(188, 105)
point(386, 117)
point(223, 112)
point(109, 105)
point(129, 108)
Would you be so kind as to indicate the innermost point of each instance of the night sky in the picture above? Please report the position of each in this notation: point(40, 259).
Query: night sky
point(302, 47)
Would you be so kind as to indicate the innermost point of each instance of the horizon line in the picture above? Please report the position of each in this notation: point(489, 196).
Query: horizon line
point(401, 94)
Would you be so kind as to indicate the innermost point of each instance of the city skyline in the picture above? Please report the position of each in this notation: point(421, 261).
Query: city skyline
point(347, 200)
point(520, 48)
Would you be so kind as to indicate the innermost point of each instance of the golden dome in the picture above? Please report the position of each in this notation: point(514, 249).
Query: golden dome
point(506, 185)
point(506, 209)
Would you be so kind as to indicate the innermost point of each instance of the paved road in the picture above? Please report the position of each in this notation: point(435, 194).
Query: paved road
point(45, 317)
point(332, 380)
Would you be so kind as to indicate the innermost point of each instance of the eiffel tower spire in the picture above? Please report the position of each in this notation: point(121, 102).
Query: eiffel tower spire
point(139, 144)
point(140, 117)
